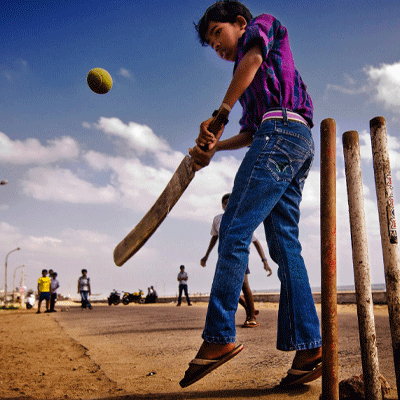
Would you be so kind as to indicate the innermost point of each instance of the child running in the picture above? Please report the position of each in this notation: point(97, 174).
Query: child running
point(276, 124)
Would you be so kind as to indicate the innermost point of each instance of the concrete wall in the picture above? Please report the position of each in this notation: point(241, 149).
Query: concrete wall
point(345, 297)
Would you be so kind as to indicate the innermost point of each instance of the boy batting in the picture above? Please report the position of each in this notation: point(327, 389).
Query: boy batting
point(276, 125)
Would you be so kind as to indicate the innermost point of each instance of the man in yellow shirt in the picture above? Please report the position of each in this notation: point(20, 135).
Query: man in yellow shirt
point(44, 290)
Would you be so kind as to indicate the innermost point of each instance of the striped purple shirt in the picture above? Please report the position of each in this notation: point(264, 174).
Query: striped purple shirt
point(277, 82)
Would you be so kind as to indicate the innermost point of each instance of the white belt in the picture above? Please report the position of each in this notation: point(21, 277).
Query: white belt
point(278, 114)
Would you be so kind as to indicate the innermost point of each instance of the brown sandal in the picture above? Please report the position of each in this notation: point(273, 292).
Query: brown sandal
point(310, 372)
point(199, 368)
point(250, 324)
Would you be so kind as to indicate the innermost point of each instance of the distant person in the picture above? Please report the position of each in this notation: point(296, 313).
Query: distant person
point(151, 295)
point(54, 285)
point(183, 287)
point(30, 300)
point(247, 300)
point(84, 290)
point(154, 294)
point(148, 294)
point(43, 288)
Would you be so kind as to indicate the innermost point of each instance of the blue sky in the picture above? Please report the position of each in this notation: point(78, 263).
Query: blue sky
point(84, 168)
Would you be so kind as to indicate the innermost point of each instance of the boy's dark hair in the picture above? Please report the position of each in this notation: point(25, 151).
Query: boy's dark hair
point(221, 11)
point(44, 271)
point(225, 197)
point(84, 270)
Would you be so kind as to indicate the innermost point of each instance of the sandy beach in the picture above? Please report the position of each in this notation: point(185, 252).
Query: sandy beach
point(141, 352)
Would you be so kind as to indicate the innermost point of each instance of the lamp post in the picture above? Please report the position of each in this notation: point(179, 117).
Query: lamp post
point(5, 276)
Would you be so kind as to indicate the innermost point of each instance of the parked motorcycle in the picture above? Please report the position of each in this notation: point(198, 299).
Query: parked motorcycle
point(114, 298)
point(135, 297)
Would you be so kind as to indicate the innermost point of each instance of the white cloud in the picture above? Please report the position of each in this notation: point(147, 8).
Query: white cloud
point(133, 178)
point(125, 73)
point(139, 138)
point(31, 151)
point(311, 192)
point(350, 90)
point(14, 69)
point(64, 251)
point(85, 236)
point(365, 145)
point(382, 85)
point(393, 144)
point(385, 80)
point(349, 80)
point(141, 184)
point(9, 234)
point(202, 199)
point(60, 184)
point(44, 243)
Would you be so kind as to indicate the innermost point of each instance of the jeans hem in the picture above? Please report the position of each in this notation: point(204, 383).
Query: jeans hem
point(301, 346)
point(218, 340)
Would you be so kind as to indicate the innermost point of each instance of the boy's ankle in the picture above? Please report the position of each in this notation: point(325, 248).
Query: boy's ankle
point(211, 351)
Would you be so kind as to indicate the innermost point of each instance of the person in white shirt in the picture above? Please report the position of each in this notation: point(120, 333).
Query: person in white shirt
point(183, 287)
point(247, 300)
point(84, 289)
point(54, 285)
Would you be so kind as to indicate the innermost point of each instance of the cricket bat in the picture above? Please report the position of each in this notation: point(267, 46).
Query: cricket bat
point(168, 198)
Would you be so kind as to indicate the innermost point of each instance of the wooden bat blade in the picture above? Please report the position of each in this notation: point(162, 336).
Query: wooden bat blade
point(171, 194)
point(156, 215)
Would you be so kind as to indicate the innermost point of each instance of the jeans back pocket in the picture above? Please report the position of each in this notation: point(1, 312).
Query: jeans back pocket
point(286, 158)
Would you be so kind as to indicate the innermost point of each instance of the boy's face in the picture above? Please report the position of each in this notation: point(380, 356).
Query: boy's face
point(224, 204)
point(223, 37)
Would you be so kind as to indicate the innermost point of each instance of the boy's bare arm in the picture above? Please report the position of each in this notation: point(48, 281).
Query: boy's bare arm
point(243, 139)
point(241, 80)
point(260, 250)
point(244, 75)
point(213, 240)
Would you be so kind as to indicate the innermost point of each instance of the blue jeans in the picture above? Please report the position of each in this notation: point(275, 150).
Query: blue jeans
point(267, 188)
point(85, 299)
point(183, 287)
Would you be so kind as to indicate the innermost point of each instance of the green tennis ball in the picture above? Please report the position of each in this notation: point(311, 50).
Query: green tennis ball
point(99, 80)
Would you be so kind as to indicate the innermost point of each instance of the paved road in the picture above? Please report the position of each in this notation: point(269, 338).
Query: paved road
point(146, 348)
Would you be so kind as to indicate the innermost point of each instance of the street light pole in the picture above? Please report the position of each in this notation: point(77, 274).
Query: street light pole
point(5, 276)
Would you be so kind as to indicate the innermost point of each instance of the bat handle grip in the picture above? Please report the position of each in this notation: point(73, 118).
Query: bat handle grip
point(219, 120)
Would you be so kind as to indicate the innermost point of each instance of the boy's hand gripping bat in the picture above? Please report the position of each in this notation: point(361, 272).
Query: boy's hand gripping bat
point(171, 194)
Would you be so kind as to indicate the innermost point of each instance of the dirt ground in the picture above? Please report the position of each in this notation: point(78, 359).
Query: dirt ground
point(142, 351)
